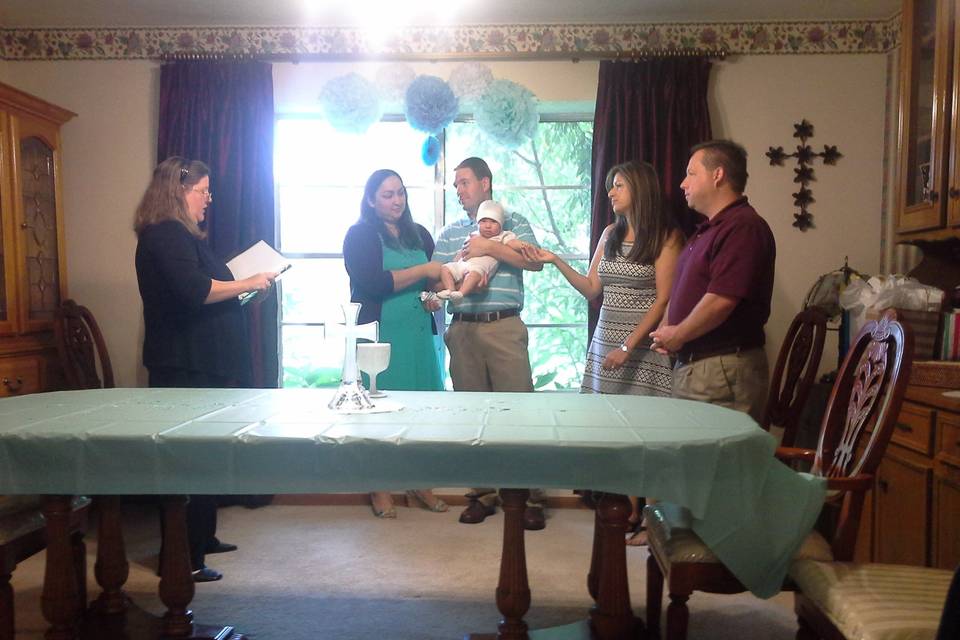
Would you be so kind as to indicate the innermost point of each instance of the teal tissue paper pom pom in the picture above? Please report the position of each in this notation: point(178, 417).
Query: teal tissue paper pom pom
point(430, 104)
point(507, 113)
point(430, 153)
point(351, 103)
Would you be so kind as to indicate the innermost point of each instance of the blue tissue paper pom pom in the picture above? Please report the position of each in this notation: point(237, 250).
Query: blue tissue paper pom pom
point(351, 103)
point(507, 112)
point(430, 153)
point(430, 104)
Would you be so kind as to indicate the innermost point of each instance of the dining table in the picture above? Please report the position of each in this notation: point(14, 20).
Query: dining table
point(716, 464)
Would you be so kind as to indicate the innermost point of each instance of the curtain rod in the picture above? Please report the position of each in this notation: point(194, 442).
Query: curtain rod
point(633, 54)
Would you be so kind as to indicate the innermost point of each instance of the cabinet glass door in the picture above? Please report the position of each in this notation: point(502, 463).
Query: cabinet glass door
point(953, 186)
point(924, 113)
point(39, 224)
point(3, 273)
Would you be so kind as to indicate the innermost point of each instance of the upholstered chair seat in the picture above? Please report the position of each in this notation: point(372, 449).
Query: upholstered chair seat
point(668, 529)
point(19, 515)
point(874, 601)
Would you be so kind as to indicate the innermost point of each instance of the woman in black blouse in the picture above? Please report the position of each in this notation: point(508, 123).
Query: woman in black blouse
point(194, 330)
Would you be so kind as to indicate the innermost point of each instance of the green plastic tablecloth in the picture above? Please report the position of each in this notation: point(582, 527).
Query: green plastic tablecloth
point(749, 508)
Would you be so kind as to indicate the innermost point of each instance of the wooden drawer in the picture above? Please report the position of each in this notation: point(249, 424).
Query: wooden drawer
point(948, 438)
point(946, 517)
point(914, 428)
point(21, 375)
point(902, 521)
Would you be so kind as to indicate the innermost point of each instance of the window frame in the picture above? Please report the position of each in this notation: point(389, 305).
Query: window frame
point(440, 217)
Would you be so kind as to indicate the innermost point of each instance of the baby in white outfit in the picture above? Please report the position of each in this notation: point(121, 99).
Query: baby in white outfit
point(469, 273)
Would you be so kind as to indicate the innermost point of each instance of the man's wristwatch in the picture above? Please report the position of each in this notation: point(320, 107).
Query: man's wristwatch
point(625, 348)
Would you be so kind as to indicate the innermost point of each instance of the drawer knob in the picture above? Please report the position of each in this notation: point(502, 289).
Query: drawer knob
point(883, 485)
point(13, 386)
point(904, 427)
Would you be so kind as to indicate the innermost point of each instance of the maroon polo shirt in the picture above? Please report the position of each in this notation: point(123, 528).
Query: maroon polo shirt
point(732, 255)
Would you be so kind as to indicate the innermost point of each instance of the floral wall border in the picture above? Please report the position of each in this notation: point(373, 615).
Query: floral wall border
point(502, 41)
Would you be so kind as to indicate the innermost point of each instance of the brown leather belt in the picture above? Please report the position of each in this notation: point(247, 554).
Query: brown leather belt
point(686, 357)
point(490, 316)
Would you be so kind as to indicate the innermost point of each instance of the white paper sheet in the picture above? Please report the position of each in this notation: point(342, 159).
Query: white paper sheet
point(259, 258)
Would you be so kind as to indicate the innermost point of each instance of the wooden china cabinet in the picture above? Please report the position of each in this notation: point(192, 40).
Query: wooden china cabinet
point(928, 195)
point(913, 514)
point(32, 269)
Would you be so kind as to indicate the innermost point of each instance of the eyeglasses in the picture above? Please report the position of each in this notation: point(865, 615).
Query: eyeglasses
point(206, 193)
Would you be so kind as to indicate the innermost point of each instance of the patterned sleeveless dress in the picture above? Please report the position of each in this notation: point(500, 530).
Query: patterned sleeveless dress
point(629, 289)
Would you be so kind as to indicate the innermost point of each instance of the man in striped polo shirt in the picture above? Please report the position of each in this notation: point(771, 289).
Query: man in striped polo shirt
point(486, 338)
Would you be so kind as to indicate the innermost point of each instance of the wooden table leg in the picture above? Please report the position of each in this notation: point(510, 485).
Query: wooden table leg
point(60, 599)
point(111, 568)
point(593, 577)
point(513, 590)
point(612, 617)
point(176, 583)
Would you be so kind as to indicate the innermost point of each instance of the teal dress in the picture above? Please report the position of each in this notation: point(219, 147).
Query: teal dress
point(409, 329)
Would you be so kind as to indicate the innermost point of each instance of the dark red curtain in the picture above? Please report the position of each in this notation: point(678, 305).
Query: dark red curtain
point(222, 114)
point(652, 110)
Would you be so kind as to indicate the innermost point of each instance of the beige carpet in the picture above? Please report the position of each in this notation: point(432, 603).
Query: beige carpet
point(309, 572)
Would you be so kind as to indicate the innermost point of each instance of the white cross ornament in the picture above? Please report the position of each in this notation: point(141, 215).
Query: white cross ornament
point(351, 395)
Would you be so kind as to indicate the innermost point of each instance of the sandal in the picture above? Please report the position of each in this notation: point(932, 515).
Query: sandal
point(417, 495)
point(636, 534)
point(386, 512)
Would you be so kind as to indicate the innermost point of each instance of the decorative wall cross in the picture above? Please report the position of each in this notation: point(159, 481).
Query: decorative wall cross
point(804, 171)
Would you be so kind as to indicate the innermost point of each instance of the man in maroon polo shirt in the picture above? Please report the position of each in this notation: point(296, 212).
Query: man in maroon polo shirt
point(720, 299)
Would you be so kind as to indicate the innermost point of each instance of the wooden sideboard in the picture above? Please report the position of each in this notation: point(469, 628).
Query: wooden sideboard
point(32, 268)
point(914, 514)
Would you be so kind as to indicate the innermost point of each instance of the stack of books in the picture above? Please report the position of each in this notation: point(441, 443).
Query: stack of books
point(950, 336)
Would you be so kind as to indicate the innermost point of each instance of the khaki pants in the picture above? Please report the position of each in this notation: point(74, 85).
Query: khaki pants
point(491, 356)
point(737, 380)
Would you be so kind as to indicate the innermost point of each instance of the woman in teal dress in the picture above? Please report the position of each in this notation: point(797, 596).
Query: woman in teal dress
point(387, 256)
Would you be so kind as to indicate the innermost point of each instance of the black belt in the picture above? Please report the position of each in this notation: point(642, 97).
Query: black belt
point(490, 316)
point(686, 357)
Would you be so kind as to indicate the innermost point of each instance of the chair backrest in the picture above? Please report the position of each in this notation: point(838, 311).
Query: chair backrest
point(795, 371)
point(860, 417)
point(80, 345)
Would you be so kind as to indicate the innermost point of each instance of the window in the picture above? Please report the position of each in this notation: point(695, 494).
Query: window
point(320, 175)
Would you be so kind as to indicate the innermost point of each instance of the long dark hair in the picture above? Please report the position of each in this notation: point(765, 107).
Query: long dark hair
point(652, 222)
point(409, 236)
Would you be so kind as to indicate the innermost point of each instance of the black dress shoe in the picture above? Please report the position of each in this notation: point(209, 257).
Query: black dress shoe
point(533, 519)
point(476, 512)
point(222, 547)
point(206, 574)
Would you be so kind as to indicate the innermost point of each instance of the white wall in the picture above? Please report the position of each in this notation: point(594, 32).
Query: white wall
point(109, 151)
point(756, 100)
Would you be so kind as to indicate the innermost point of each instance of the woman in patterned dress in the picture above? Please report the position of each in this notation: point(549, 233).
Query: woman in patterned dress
point(633, 267)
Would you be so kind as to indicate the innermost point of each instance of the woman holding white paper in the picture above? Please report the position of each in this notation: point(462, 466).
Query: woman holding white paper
point(194, 329)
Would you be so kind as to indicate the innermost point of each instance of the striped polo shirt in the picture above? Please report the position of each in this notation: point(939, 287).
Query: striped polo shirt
point(505, 290)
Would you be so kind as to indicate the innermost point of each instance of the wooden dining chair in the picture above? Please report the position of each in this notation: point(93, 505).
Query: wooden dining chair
point(794, 373)
point(86, 365)
point(848, 601)
point(83, 353)
point(856, 428)
point(22, 534)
